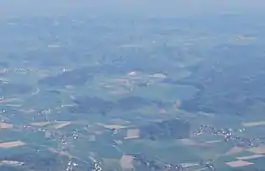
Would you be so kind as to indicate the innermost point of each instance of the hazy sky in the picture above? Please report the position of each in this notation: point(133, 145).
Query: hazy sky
point(141, 7)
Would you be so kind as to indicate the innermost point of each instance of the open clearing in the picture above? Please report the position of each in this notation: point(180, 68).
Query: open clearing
point(112, 126)
point(5, 125)
point(213, 141)
point(252, 124)
point(250, 157)
point(11, 144)
point(61, 124)
point(234, 150)
point(40, 123)
point(132, 133)
point(257, 150)
point(11, 163)
point(126, 162)
point(188, 165)
point(239, 163)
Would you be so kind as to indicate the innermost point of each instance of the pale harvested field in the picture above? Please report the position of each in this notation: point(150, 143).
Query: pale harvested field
point(250, 157)
point(60, 125)
point(118, 142)
point(40, 123)
point(234, 150)
point(43, 74)
point(239, 163)
point(10, 100)
point(12, 163)
point(252, 124)
point(112, 126)
point(5, 125)
point(187, 165)
point(213, 141)
point(11, 144)
point(257, 150)
point(202, 169)
point(13, 105)
point(68, 105)
point(132, 134)
point(126, 162)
